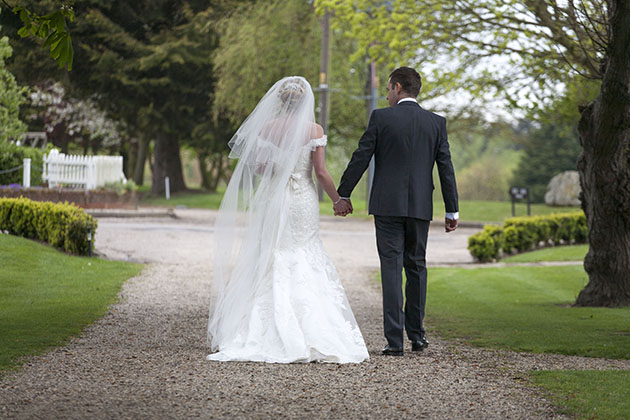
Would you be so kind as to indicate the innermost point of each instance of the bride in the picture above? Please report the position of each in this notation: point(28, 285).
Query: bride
point(276, 296)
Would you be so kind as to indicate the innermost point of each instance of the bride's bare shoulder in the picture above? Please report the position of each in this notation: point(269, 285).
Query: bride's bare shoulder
point(317, 131)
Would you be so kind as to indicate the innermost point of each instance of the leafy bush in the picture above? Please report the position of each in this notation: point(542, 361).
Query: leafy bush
point(530, 231)
point(121, 187)
point(482, 246)
point(62, 225)
point(12, 156)
point(524, 233)
point(511, 239)
point(486, 245)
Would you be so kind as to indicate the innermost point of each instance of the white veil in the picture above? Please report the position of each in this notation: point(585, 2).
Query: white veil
point(252, 215)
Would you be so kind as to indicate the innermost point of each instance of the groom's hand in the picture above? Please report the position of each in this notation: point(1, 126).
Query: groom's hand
point(343, 207)
point(451, 224)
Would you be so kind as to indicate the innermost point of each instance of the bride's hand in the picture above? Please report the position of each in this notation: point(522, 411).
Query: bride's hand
point(342, 207)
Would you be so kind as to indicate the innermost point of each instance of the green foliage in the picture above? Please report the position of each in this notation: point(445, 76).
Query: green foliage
point(287, 34)
point(554, 147)
point(63, 226)
point(484, 157)
point(48, 297)
point(587, 394)
point(120, 187)
point(52, 29)
point(551, 149)
point(486, 245)
point(11, 97)
point(12, 156)
point(482, 246)
point(259, 45)
point(437, 34)
point(525, 309)
point(524, 233)
point(487, 178)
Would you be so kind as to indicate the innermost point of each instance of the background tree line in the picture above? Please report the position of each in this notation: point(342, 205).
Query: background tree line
point(170, 74)
point(185, 74)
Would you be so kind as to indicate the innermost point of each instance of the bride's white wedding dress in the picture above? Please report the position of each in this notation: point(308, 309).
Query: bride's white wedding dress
point(299, 311)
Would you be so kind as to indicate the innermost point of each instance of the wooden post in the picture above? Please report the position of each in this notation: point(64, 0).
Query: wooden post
point(26, 179)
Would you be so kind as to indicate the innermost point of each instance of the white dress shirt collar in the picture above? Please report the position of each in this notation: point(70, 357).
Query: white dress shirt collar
point(407, 99)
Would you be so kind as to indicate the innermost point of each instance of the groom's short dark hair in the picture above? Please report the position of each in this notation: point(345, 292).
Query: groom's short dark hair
point(409, 80)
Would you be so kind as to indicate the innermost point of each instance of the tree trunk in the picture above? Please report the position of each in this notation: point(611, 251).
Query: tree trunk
point(220, 169)
point(604, 167)
point(141, 158)
point(167, 162)
point(212, 168)
point(126, 150)
point(203, 170)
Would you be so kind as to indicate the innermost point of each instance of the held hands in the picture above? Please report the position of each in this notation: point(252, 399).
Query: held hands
point(451, 224)
point(342, 207)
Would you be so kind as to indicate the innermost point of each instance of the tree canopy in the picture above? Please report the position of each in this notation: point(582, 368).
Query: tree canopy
point(11, 97)
point(518, 49)
point(51, 28)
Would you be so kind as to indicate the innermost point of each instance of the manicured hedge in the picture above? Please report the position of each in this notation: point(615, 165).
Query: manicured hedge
point(520, 234)
point(12, 156)
point(62, 225)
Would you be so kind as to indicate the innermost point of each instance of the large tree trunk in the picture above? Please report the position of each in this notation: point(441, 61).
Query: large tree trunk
point(167, 162)
point(604, 167)
point(141, 159)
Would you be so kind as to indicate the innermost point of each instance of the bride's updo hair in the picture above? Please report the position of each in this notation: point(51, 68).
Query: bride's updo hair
point(292, 90)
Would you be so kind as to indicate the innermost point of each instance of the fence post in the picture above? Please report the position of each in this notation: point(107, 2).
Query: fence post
point(26, 180)
point(91, 173)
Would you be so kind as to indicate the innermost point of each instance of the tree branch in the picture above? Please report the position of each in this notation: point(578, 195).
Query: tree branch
point(559, 35)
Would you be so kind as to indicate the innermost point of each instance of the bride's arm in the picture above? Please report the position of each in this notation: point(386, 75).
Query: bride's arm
point(319, 164)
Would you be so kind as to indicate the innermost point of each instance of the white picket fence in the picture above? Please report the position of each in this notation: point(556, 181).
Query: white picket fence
point(88, 172)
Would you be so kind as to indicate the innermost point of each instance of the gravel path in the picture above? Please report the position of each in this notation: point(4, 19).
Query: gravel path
point(146, 358)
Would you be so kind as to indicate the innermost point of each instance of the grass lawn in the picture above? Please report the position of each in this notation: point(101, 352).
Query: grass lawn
point(588, 394)
point(46, 296)
point(525, 309)
point(496, 211)
point(558, 253)
point(477, 211)
point(194, 199)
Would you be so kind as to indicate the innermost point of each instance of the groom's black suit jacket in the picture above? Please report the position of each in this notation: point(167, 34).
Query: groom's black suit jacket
point(406, 141)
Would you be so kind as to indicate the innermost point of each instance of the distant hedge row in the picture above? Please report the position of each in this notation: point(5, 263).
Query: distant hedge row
point(525, 233)
point(62, 225)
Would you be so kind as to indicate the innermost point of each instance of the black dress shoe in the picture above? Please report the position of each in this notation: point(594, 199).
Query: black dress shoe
point(392, 351)
point(419, 345)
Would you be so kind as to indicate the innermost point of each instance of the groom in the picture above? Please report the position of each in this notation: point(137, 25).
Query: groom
point(406, 141)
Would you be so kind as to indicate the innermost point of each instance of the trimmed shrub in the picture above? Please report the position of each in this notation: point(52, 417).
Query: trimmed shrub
point(486, 245)
point(524, 233)
point(482, 246)
point(62, 225)
point(510, 240)
point(12, 156)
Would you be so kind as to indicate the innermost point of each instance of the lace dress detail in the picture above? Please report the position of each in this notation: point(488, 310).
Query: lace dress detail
point(301, 312)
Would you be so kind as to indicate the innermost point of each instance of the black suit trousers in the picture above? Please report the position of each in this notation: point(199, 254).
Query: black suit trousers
point(402, 243)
